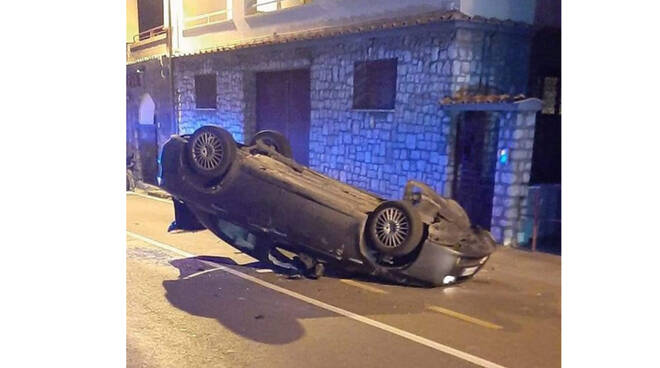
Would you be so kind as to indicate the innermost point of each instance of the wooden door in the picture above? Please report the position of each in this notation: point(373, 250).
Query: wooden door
point(283, 104)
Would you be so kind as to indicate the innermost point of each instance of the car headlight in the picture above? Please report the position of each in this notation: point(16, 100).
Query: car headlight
point(448, 279)
point(483, 260)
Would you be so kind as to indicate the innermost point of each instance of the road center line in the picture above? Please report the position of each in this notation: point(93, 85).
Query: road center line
point(385, 327)
point(463, 317)
point(202, 273)
point(363, 286)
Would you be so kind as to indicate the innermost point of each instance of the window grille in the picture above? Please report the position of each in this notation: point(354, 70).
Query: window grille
point(374, 84)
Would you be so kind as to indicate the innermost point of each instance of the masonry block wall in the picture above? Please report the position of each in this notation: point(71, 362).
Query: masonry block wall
point(512, 178)
point(380, 151)
point(231, 110)
point(375, 150)
point(489, 60)
point(236, 88)
point(154, 80)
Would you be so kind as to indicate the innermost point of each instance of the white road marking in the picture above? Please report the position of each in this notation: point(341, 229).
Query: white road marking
point(202, 273)
point(385, 327)
point(363, 286)
point(160, 245)
point(464, 317)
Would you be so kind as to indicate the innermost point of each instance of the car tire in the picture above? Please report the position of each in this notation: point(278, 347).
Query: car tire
point(394, 228)
point(211, 151)
point(273, 139)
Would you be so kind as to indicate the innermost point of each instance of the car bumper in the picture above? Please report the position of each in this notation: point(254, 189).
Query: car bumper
point(439, 265)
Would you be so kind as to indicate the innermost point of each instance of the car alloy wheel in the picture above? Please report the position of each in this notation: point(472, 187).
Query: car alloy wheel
point(211, 151)
point(394, 228)
point(207, 151)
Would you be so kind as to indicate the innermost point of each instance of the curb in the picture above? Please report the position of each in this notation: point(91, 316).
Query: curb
point(152, 190)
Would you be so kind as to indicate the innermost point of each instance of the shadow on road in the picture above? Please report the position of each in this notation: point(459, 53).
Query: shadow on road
point(248, 310)
point(266, 316)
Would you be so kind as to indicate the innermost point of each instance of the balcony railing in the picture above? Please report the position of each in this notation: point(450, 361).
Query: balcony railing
point(150, 33)
point(204, 19)
point(265, 6)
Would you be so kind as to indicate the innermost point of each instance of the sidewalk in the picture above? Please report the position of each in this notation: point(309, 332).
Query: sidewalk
point(152, 190)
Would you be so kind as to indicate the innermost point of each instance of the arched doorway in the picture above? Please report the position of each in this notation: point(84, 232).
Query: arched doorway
point(147, 111)
point(148, 139)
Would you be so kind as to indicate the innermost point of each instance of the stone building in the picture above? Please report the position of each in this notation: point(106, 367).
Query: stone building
point(425, 90)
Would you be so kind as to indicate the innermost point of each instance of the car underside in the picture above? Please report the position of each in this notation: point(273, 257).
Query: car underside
point(257, 198)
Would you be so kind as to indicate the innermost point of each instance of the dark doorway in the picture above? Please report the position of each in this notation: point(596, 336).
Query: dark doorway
point(148, 139)
point(150, 14)
point(476, 154)
point(283, 105)
point(546, 157)
point(148, 153)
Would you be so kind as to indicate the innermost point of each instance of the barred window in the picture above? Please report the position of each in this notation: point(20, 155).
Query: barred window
point(374, 84)
point(205, 91)
point(133, 80)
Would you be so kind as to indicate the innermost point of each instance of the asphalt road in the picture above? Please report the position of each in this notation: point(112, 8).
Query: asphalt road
point(223, 310)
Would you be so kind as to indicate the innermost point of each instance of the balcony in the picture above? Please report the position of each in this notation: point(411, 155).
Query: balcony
point(206, 19)
point(266, 6)
point(151, 42)
point(151, 35)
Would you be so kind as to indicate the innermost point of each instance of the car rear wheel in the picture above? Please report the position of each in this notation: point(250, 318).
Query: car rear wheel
point(394, 228)
point(211, 150)
point(273, 139)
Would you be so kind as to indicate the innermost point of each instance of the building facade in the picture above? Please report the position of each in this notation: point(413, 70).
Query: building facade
point(419, 90)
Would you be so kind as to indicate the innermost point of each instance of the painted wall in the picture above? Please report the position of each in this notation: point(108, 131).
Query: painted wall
point(149, 48)
point(314, 15)
point(323, 13)
point(131, 20)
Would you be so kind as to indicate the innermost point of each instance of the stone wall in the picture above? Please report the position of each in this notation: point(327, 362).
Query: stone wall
point(154, 80)
point(236, 87)
point(230, 112)
point(381, 150)
point(486, 61)
point(375, 150)
point(512, 177)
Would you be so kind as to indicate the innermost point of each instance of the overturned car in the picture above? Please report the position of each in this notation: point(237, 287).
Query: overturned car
point(256, 197)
